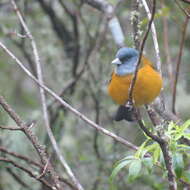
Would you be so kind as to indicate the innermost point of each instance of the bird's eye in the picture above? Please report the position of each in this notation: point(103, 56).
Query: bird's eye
point(123, 58)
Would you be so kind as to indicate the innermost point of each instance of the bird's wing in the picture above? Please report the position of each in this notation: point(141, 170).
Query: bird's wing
point(111, 77)
point(146, 61)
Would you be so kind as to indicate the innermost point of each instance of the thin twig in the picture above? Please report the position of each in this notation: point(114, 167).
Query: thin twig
point(154, 37)
point(130, 100)
point(186, 184)
point(26, 170)
point(167, 49)
point(178, 64)
point(17, 178)
point(136, 38)
point(101, 5)
point(10, 128)
point(166, 114)
point(186, 1)
point(33, 139)
point(153, 116)
point(182, 9)
point(163, 143)
point(108, 9)
point(44, 169)
point(43, 100)
point(147, 132)
point(66, 105)
point(16, 155)
point(156, 47)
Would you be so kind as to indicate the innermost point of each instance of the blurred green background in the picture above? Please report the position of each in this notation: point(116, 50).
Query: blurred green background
point(75, 50)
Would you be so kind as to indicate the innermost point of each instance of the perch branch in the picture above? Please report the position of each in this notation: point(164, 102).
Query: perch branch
point(162, 142)
point(140, 54)
point(166, 153)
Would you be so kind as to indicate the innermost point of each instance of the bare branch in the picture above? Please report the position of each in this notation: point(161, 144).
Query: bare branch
point(29, 161)
point(167, 52)
point(10, 128)
point(186, 1)
point(17, 178)
point(154, 36)
point(101, 5)
point(147, 132)
point(16, 155)
point(109, 10)
point(159, 139)
point(44, 169)
point(43, 100)
point(166, 154)
point(34, 140)
point(169, 166)
point(66, 105)
point(178, 64)
point(182, 9)
point(44, 182)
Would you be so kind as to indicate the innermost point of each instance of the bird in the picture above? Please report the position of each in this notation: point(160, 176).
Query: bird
point(147, 86)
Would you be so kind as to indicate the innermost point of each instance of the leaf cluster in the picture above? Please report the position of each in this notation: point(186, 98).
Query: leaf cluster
point(149, 156)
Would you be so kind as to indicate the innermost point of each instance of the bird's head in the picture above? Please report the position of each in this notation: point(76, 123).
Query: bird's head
point(126, 60)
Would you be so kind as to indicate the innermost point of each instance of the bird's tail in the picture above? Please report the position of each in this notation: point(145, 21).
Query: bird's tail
point(126, 113)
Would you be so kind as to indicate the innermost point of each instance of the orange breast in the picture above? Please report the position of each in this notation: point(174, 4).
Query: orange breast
point(147, 86)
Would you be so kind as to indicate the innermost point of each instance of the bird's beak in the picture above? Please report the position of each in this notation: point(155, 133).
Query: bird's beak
point(116, 61)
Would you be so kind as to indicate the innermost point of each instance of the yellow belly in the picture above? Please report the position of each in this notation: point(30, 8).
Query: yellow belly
point(147, 86)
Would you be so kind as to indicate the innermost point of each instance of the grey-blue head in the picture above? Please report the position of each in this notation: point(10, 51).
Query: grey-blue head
point(126, 60)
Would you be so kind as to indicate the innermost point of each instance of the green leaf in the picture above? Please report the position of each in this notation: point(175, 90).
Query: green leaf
point(150, 148)
point(186, 135)
point(185, 125)
point(140, 152)
point(183, 147)
point(134, 169)
point(126, 158)
point(186, 176)
point(178, 164)
point(156, 154)
point(171, 126)
point(178, 136)
point(148, 163)
point(118, 168)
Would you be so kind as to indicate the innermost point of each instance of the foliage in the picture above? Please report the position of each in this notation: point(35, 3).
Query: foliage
point(141, 160)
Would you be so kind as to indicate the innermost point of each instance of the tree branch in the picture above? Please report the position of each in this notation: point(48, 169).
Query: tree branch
point(43, 100)
point(159, 139)
point(17, 178)
point(178, 64)
point(44, 182)
point(101, 5)
point(16, 155)
point(140, 55)
point(10, 128)
point(33, 139)
point(66, 105)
